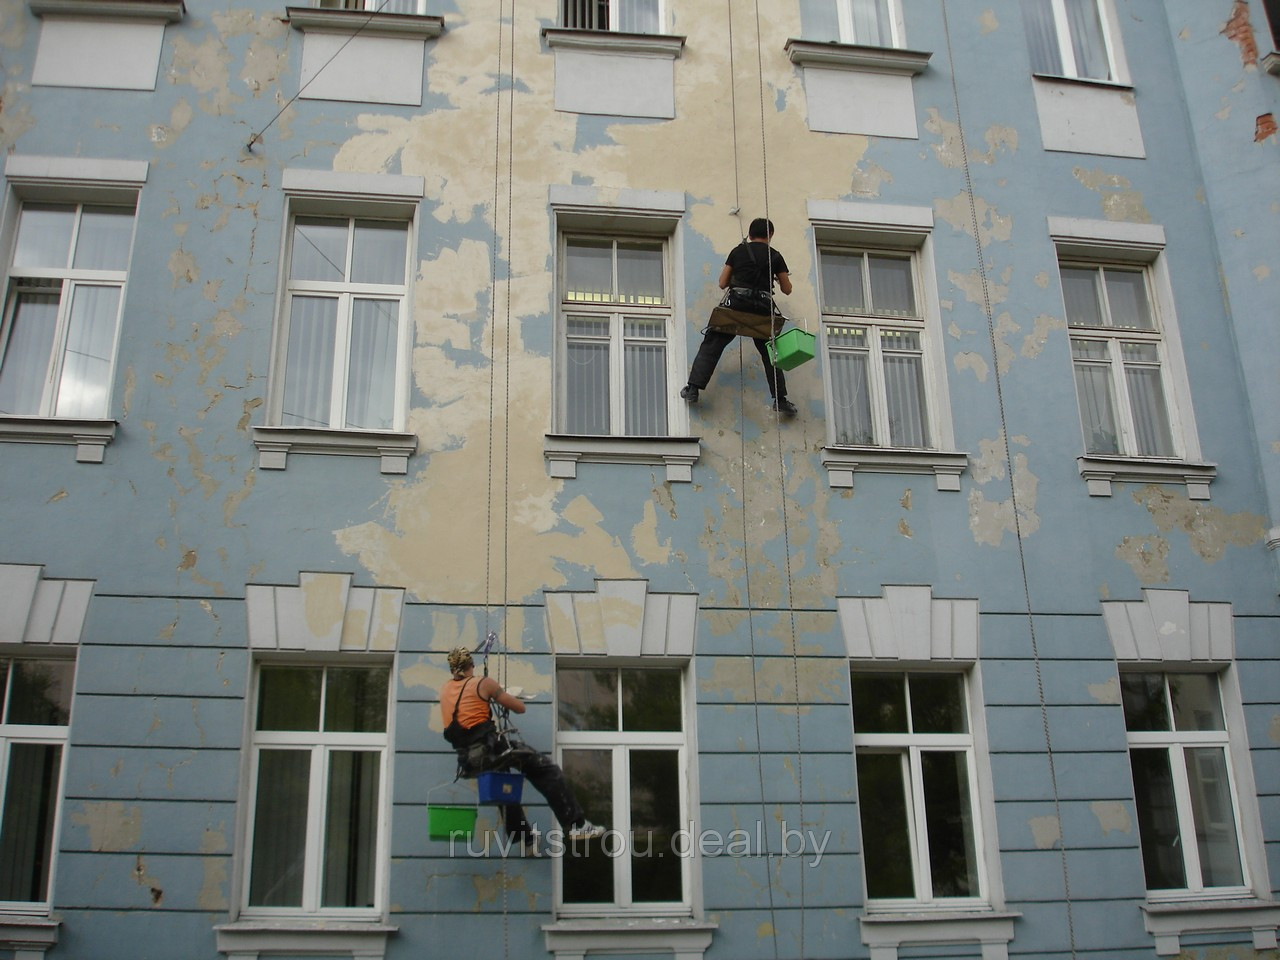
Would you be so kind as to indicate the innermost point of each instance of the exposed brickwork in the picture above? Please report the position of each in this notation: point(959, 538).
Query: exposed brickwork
point(1266, 127)
point(1239, 31)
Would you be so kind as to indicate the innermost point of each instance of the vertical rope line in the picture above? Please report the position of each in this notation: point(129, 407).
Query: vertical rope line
point(1013, 487)
point(733, 114)
point(493, 333)
point(506, 429)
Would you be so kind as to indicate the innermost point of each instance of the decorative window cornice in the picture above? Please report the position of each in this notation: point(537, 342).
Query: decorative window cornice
point(621, 618)
point(563, 453)
point(168, 11)
point(854, 56)
point(909, 624)
point(606, 41)
point(843, 462)
point(89, 437)
point(35, 610)
point(371, 24)
point(1166, 626)
point(276, 443)
point(1101, 472)
point(886, 932)
point(324, 613)
point(1167, 922)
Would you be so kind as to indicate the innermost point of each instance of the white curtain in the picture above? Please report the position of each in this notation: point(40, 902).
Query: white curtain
point(851, 398)
point(1146, 398)
point(44, 236)
point(378, 252)
point(645, 379)
point(1093, 393)
point(26, 355)
point(319, 250)
point(637, 16)
point(103, 243)
point(842, 283)
point(86, 364)
point(371, 371)
point(588, 270)
point(1086, 39)
point(1042, 37)
point(904, 389)
point(587, 376)
point(871, 25)
point(308, 375)
point(891, 288)
point(640, 273)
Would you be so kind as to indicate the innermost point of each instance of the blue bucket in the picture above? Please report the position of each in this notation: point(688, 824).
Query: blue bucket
point(498, 788)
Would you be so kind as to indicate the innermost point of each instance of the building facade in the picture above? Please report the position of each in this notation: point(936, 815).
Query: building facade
point(339, 335)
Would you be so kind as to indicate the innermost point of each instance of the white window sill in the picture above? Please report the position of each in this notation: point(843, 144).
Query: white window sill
point(1085, 81)
point(886, 932)
point(1100, 472)
point(168, 11)
point(563, 453)
point(1167, 921)
point(276, 443)
point(372, 24)
point(1271, 63)
point(246, 939)
point(842, 462)
point(28, 936)
point(89, 437)
point(858, 57)
point(607, 41)
point(687, 939)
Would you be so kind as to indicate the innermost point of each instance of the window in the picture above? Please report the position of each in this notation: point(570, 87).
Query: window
point(874, 335)
point(1188, 823)
point(617, 325)
point(35, 706)
point(62, 313)
point(1117, 350)
point(418, 7)
point(916, 788)
point(319, 789)
point(1070, 38)
point(626, 16)
point(871, 23)
point(622, 746)
point(344, 324)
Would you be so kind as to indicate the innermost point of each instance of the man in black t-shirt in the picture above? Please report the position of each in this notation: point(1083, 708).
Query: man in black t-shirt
point(754, 265)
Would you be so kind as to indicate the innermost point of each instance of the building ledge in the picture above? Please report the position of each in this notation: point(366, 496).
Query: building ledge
point(28, 936)
point(563, 453)
point(607, 41)
point(1167, 921)
point(857, 57)
point(276, 443)
point(886, 933)
point(1271, 63)
point(1085, 82)
point(89, 437)
point(372, 24)
point(168, 11)
point(246, 939)
point(1100, 472)
point(687, 939)
point(842, 462)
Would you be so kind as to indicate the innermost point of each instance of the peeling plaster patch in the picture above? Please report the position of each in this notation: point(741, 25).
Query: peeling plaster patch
point(1004, 328)
point(990, 463)
point(1042, 280)
point(1261, 272)
point(15, 116)
point(112, 826)
point(971, 284)
point(144, 879)
point(1118, 201)
point(1112, 816)
point(974, 362)
point(999, 138)
point(1033, 343)
point(1239, 31)
point(1108, 692)
point(235, 500)
point(868, 178)
point(644, 538)
point(949, 151)
point(205, 67)
point(60, 495)
point(180, 116)
point(1045, 831)
point(490, 889)
point(1210, 529)
point(1148, 557)
point(246, 415)
point(988, 22)
point(991, 225)
point(1273, 731)
point(989, 520)
point(213, 887)
point(1264, 127)
point(903, 529)
point(183, 267)
point(905, 501)
point(954, 331)
point(268, 50)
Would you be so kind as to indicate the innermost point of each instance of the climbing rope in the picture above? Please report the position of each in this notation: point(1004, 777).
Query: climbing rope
point(1013, 486)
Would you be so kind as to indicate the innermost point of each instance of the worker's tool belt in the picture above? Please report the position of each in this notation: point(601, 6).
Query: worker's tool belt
point(731, 316)
point(747, 300)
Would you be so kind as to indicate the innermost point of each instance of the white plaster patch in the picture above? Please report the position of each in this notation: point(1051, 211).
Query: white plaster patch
point(1148, 557)
point(974, 362)
point(988, 22)
point(1273, 731)
point(1046, 832)
point(992, 225)
point(1033, 343)
point(1112, 815)
point(1119, 202)
point(1261, 272)
point(112, 826)
point(1210, 529)
point(1108, 692)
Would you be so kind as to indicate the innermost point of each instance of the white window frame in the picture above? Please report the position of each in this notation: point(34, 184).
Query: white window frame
point(321, 745)
point(1174, 743)
point(43, 734)
point(912, 746)
point(612, 26)
point(1117, 66)
point(619, 744)
point(419, 7)
point(1116, 243)
point(897, 30)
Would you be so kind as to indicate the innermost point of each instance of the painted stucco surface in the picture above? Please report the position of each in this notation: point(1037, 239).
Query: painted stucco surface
point(179, 518)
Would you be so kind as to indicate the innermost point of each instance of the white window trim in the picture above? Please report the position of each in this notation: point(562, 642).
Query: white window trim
point(33, 178)
point(28, 936)
point(573, 939)
point(1116, 59)
point(662, 23)
point(247, 939)
point(642, 213)
point(1121, 242)
point(892, 226)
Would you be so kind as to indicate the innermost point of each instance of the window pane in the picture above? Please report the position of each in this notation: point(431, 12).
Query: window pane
point(587, 377)
point(1150, 414)
point(30, 803)
point(371, 372)
point(655, 818)
point(289, 698)
point(26, 357)
point(640, 272)
point(645, 378)
point(1196, 705)
point(879, 703)
point(1080, 295)
point(842, 283)
point(1157, 820)
point(953, 862)
point(651, 700)
point(886, 835)
point(355, 700)
point(1145, 707)
point(308, 375)
point(1042, 37)
point(937, 704)
point(319, 249)
point(850, 386)
point(871, 23)
point(4, 687)
point(637, 16)
point(91, 339)
point(588, 270)
point(106, 234)
point(891, 291)
point(1127, 299)
point(44, 236)
point(1214, 816)
point(351, 828)
point(588, 872)
point(280, 828)
point(1086, 39)
point(378, 252)
point(1097, 410)
point(904, 389)
point(41, 692)
point(587, 699)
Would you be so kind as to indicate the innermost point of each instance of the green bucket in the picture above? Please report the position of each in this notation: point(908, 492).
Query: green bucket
point(791, 348)
point(450, 821)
